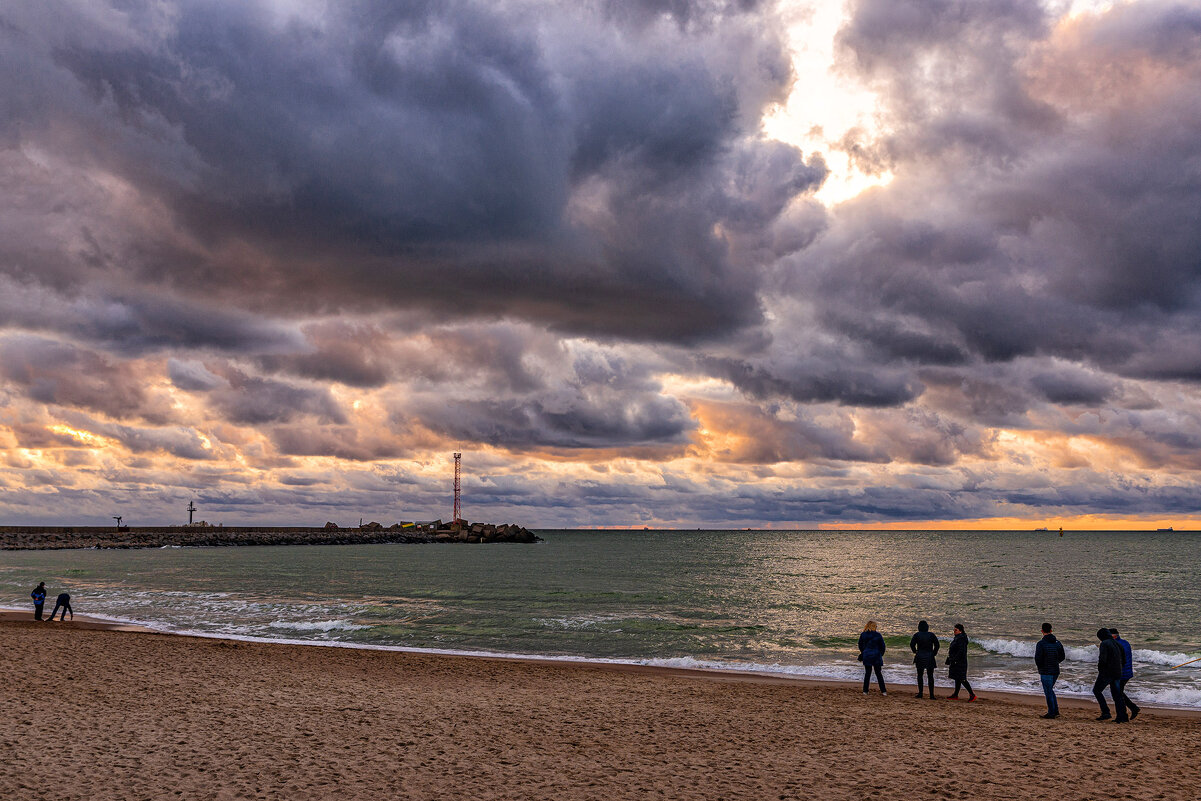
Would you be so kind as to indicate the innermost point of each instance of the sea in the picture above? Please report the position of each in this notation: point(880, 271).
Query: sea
point(782, 603)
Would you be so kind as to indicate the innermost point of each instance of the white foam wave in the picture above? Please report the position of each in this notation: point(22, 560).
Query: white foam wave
point(316, 625)
point(1088, 653)
point(1025, 648)
point(1168, 696)
point(1161, 657)
point(1010, 647)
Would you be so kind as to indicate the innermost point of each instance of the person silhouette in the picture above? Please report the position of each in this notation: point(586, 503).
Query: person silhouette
point(924, 645)
point(957, 663)
point(64, 603)
point(39, 600)
point(871, 654)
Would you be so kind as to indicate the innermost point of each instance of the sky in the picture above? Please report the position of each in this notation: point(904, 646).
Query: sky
point(720, 263)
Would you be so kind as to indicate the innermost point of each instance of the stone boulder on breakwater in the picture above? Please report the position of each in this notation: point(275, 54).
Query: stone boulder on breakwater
point(17, 538)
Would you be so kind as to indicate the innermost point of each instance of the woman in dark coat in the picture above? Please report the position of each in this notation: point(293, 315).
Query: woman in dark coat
point(871, 654)
point(924, 645)
point(957, 663)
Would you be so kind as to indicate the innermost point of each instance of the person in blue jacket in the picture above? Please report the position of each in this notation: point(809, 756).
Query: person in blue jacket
point(39, 599)
point(871, 654)
point(1048, 653)
point(1127, 671)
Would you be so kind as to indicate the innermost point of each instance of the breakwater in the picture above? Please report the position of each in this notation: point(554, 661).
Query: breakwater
point(28, 538)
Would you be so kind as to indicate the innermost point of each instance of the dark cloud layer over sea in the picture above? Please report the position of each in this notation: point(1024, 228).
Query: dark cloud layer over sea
point(284, 257)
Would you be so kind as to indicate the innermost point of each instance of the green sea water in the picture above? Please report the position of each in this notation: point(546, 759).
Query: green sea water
point(774, 601)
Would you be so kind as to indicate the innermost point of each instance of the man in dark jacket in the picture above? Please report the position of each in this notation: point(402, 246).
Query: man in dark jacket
point(1048, 653)
point(1127, 671)
point(1109, 674)
point(924, 645)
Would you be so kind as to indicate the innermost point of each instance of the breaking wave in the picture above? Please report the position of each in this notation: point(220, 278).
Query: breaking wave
point(1088, 653)
point(316, 625)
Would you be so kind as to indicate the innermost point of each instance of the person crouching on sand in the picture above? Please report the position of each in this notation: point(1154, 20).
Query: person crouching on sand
point(63, 603)
point(924, 645)
point(957, 663)
point(871, 654)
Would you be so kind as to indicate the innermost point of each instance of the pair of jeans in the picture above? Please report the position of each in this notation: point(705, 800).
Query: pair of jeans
point(867, 677)
point(66, 607)
point(1049, 691)
point(928, 670)
point(1130, 705)
point(1115, 692)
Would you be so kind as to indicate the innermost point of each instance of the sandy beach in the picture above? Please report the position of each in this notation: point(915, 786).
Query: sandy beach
point(93, 713)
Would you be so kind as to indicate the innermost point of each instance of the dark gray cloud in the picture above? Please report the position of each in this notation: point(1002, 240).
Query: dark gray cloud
point(1075, 387)
point(578, 172)
point(817, 381)
point(356, 354)
point(754, 435)
point(138, 322)
point(53, 372)
point(545, 395)
point(181, 441)
point(255, 400)
point(193, 376)
point(1038, 207)
point(561, 422)
point(340, 441)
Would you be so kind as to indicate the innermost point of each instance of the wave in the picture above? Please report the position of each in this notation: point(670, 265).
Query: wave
point(316, 625)
point(1168, 696)
point(1161, 657)
point(1025, 648)
point(1087, 653)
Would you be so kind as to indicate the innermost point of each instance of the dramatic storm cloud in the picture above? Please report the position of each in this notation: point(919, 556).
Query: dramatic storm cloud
point(643, 262)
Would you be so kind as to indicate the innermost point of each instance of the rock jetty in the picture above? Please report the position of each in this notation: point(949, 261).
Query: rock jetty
point(28, 538)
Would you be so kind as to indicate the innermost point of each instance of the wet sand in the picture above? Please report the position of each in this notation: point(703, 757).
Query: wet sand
point(95, 713)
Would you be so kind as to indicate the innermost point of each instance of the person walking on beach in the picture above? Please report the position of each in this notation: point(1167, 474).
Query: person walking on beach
point(1127, 671)
point(1109, 674)
point(1048, 653)
point(39, 599)
point(957, 663)
point(63, 602)
point(871, 654)
point(924, 645)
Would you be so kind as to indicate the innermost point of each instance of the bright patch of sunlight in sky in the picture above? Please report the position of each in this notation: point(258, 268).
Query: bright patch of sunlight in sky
point(825, 104)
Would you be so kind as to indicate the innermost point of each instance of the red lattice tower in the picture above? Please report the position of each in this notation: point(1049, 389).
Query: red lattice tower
point(458, 508)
